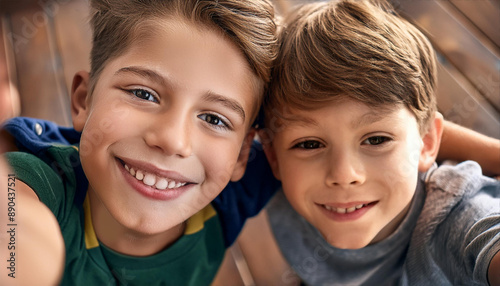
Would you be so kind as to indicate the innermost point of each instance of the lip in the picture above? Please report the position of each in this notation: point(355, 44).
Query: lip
point(154, 170)
point(344, 217)
point(150, 192)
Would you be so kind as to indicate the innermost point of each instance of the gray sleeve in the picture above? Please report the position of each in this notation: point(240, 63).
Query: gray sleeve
point(466, 241)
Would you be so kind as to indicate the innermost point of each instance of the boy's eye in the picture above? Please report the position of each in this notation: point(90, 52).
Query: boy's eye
point(376, 140)
point(143, 94)
point(309, 144)
point(214, 120)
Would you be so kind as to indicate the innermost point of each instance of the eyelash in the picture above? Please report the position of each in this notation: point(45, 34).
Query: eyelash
point(384, 140)
point(205, 116)
point(308, 145)
point(313, 144)
point(149, 95)
point(210, 117)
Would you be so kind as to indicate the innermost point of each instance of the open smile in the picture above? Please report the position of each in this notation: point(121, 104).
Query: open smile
point(152, 182)
point(348, 212)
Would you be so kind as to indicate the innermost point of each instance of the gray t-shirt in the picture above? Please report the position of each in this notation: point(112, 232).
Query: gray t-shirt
point(449, 237)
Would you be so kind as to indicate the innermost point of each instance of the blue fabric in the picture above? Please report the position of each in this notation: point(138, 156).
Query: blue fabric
point(237, 202)
point(245, 198)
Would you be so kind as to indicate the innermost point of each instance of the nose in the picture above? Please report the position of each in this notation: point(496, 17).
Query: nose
point(170, 133)
point(345, 169)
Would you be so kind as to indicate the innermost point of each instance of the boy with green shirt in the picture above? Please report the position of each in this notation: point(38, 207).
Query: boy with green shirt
point(165, 116)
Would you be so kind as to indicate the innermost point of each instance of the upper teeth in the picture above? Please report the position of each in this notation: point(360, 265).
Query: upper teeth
point(152, 180)
point(344, 210)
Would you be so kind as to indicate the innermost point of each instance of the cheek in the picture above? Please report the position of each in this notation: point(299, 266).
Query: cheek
point(218, 159)
point(397, 168)
point(97, 132)
point(297, 179)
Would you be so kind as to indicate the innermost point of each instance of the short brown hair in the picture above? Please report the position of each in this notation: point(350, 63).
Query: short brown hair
point(248, 24)
point(359, 49)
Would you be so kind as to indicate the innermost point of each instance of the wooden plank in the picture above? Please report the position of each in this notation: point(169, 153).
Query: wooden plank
point(484, 14)
point(475, 61)
point(9, 96)
point(10, 6)
point(461, 103)
point(73, 37)
point(39, 76)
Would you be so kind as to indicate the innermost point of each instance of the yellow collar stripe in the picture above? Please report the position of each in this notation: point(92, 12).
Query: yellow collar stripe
point(90, 237)
point(197, 221)
point(194, 223)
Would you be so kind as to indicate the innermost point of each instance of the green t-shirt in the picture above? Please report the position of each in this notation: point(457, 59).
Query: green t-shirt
point(59, 182)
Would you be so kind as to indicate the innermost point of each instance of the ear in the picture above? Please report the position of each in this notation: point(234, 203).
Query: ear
point(80, 103)
point(270, 153)
point(241, 164)
point(431, 141)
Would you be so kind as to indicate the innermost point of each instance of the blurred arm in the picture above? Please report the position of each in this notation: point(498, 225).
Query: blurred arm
point(459, 144)
point(33, 239)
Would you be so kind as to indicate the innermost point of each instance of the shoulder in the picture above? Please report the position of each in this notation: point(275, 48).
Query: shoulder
point(32, 170)
point(458, 199)
point(35, 135)
point(57, 179)
point(458, 226)
point(460, 193)
point(469, 215)
point(463, 181)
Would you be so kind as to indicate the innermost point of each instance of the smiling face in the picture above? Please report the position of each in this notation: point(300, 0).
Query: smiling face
point(349, 169)
point(164, 126)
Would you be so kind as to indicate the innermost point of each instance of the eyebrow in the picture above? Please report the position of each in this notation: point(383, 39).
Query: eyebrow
point(370, 117)
point(210, 96)
point(228, 102)
point(146, 73)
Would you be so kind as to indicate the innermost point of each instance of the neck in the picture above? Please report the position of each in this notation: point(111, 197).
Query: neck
point(128, 241)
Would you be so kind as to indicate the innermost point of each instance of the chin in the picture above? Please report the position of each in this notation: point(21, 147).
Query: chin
point(349, 242)
point(151, 229)
point(349, 245)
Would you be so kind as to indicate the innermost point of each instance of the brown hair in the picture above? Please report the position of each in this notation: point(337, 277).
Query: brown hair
point(358, 49)
point(248, 24)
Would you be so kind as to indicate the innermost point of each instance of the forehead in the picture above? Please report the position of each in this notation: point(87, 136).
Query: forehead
point(194, 56)
point(358, 112)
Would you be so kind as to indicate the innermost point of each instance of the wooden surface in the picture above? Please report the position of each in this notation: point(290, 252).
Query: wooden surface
point(469, 74)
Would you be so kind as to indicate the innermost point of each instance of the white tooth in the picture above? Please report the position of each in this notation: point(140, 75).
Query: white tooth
point(341, 210)
point(327, 207)
point(149, 179)
point(127, 168)
point(161, 184)
point(132, 171)
point(359, 206)
point(139, 175)
point(350, 210)
point(171, 184)
point(178, 185)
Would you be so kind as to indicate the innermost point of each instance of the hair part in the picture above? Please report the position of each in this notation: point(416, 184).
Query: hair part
point(359, 49)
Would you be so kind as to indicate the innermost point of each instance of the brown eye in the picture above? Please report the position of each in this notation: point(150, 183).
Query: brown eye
point(214, 120)
point(376, 140)
point(143, 94)
point(309, 144)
